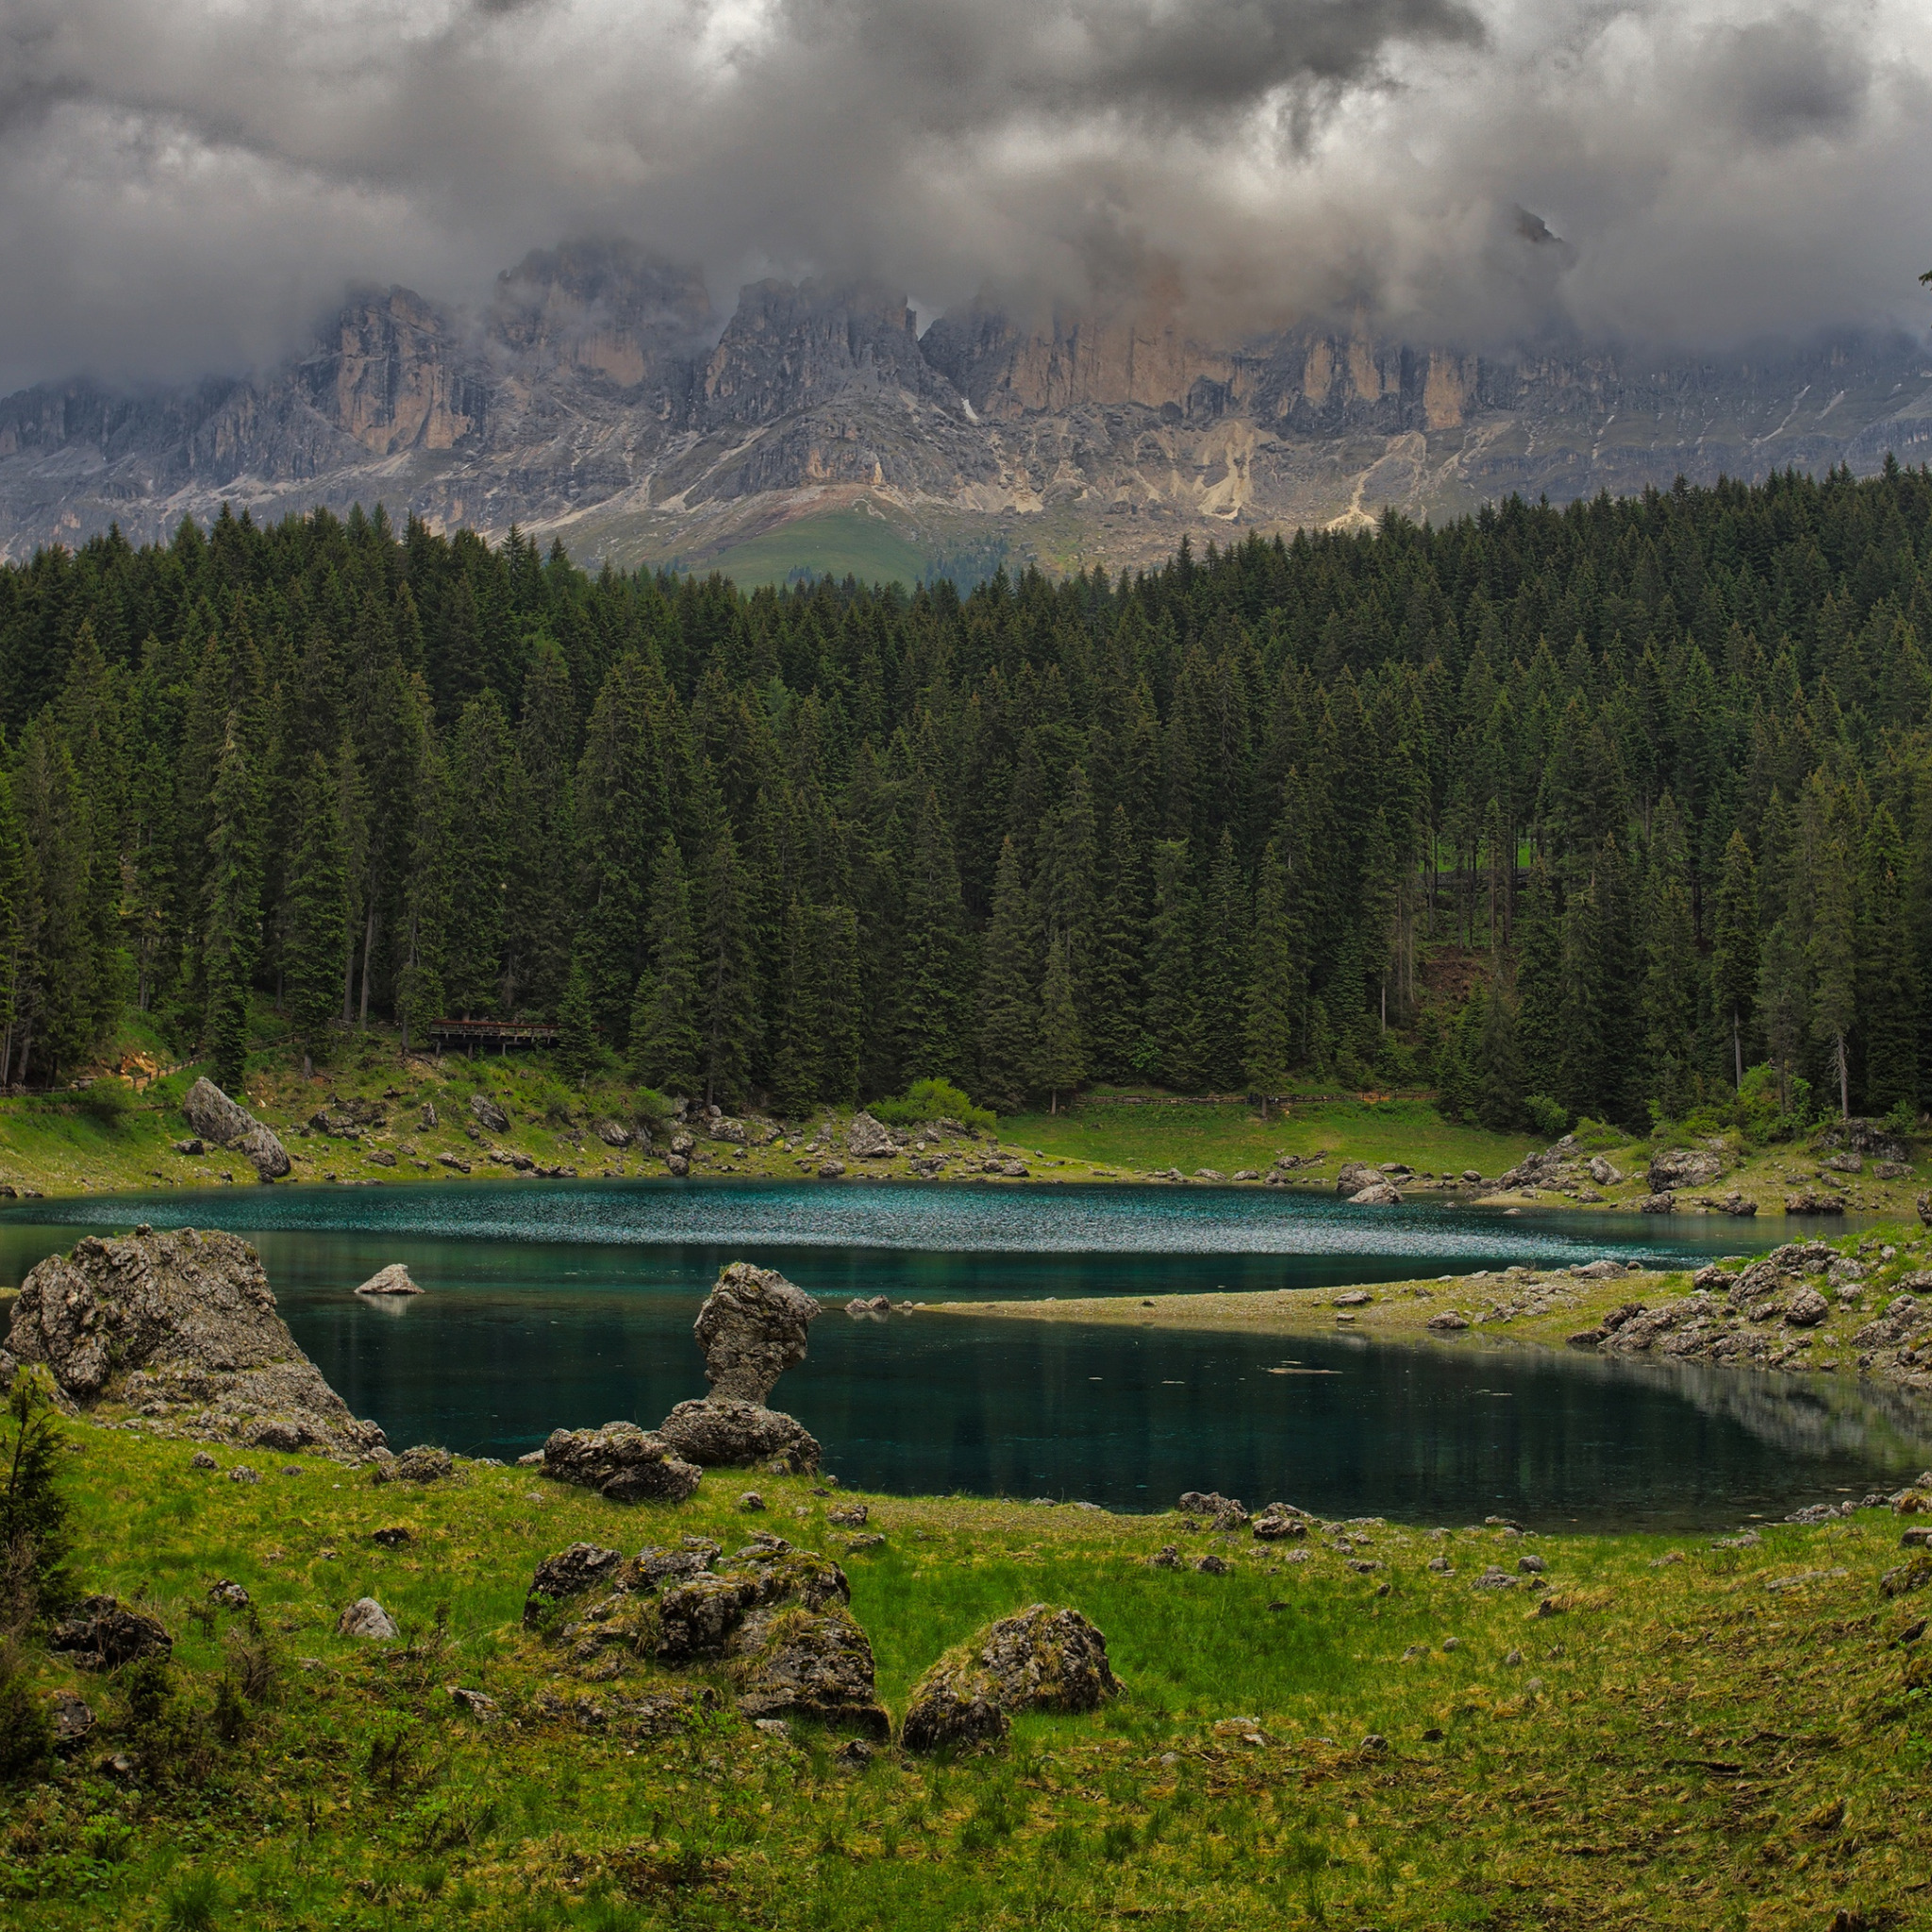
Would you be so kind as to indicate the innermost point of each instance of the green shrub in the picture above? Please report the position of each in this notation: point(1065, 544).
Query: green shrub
point(1547, 1117)
point(33, 1508)
point(105, 1102)
point(1902, 1120)
point(26, 1732)
point(648, 1105)
point(932, 1099)
point(192, 1904)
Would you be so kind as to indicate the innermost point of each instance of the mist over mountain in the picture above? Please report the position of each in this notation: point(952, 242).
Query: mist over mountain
point(601, 396)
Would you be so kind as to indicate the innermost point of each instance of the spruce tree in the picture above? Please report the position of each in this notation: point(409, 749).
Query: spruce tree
point(1734, 951)
point(665, 1049)
point(1118, 1033)
point(936, 959)
point(728, 994)
point(1670, 1009)
point(1226, 942)
point(316, 931)
point(577, 1028)
point(1783, 1005)
point(1008, 1012)
point(1173, 1006)
point(797, 1078)
point(1542, 1011)
point(1277, 986)
point(1888, 979)
point(232, 931)
point(1062, 1062)
point(1834, 963)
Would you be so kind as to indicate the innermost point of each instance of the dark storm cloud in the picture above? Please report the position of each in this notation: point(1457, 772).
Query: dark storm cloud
point(186, 184)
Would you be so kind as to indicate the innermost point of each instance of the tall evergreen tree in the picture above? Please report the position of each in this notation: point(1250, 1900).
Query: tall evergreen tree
point(1062, 1062)
point(1173, 1005)
point(1117, 1025)
point(316, 913)
point(232, 932)
point(1888, 977)
point(1734, 951)
point(1009, 1013)
point(1277, 985)
point(1834, 964)
point(728, 992)
point(665, 1049)
point(1542, 1017)
point(936, 959)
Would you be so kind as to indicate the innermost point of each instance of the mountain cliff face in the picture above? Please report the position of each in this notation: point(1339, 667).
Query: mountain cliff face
point(599, 396)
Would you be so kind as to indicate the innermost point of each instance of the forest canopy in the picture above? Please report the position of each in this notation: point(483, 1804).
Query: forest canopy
point(1589, 811)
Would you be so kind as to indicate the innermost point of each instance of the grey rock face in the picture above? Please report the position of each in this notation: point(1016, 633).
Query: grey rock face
point(1223, 1512)
point(1354, 1177)
point(489, 1114)
point(622, 1462)
point(424, 1463)
point(1377, 1194)
point(613, 1133)
point(752, 1328)
point(101, 1633)
point(216, 1118)
point(181, 1326)
point(1041, 1659)
point(394, 1279)
point(723, 1432)
point(793, 1662)
point(1603, 1171)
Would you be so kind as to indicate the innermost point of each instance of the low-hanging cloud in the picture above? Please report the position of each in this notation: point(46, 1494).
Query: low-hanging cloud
point(183, 188)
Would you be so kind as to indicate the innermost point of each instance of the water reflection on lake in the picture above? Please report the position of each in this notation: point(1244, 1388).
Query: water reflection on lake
point(572, 1305)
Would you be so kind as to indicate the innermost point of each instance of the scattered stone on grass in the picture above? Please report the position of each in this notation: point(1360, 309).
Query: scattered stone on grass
point(367, 1619)
point(1041, 1659)
point(622, 1462)
point(101, 1633)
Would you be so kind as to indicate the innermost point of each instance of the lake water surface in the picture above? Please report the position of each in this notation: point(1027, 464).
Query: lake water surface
point(571, 1303)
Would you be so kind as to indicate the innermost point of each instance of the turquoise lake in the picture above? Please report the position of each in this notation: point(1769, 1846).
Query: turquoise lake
point(551, 1305)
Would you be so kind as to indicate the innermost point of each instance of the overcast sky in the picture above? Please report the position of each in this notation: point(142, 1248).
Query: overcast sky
point(186, 185)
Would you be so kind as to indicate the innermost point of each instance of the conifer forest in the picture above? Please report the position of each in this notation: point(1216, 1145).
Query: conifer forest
point(1623, 810)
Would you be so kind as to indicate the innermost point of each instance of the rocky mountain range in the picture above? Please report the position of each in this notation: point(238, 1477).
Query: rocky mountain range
point(600, 396)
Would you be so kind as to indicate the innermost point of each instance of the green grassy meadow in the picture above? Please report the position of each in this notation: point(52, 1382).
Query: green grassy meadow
point(1675, 1732)
point(854, 541)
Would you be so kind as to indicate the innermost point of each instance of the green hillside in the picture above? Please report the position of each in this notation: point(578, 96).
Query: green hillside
point(857, 543)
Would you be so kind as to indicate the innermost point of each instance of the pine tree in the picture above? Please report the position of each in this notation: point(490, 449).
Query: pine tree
point(577, 1028)
point(1227, 941)
point(14, 925)
point(1542, 1014)
point(1496, 1068)
point(1277, 985)
point(1062, 1062)
point(665, 1049)
point(1888, 979)
point(1783, 1005)
point(1670, 978)
point(1734, 950)
point(1174, 1007)
point(481, 788)
point(936, 960)
point(1009, 1013)
point(797, 1075)
point(1118, 1034)
point(316, 913)
point(1835, 970)
point(728, 997)
point(232, 931)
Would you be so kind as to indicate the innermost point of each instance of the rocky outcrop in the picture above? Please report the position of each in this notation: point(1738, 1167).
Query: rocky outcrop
point(101, 1633)
point(180, 1329)
point(622, 1462)
point(867, 1139)
point(1868, 1139)
point(1041, 1659)
point(1377, 1194)
point(489, 1114)
point(216, 1118)
point(1684, 1167)
point(1354, 1177)
point(752, 1328)
point(1222, 1512)
point(722, 1432)
point(394, 1279)
point(777, 1619)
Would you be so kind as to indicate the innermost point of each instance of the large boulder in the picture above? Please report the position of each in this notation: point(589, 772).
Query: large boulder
point(620, 1461)
point(181, 1328)
point(394, 1279)
point(1684, 1167)
point(101, 1633)
point(868, 1138)
point(570, 1572)
point(699, 1618)
point(725, 1432)
point(1041, 1659)
point(752, 1328)
point(216, 1118)
point(1354, 1175)
point(488, 1113)
point(790, 1661)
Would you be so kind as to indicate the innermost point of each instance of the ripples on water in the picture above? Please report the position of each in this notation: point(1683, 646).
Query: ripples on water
point(553, 1305)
